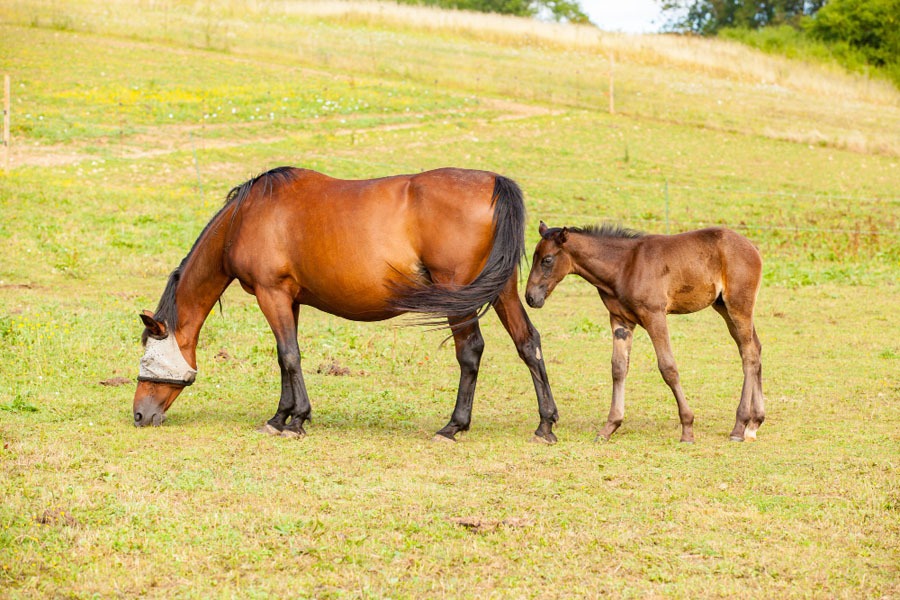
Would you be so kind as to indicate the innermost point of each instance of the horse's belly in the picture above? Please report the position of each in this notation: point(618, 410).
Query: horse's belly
point(355, 302)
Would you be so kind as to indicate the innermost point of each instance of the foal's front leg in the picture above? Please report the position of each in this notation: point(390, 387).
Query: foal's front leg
point(659, 334)
point(623, 334)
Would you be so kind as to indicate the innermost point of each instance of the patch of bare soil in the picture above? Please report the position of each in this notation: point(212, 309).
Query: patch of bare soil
point(482, 525)
point(116, 381)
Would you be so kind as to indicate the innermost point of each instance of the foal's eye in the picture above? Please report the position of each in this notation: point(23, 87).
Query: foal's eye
point(548, 260)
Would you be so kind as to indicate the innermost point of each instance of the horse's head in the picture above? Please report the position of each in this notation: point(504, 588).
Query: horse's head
point(164, 373)
point(549, 265)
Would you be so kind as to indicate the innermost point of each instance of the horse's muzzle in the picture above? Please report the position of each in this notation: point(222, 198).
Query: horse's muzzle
point(148, 416)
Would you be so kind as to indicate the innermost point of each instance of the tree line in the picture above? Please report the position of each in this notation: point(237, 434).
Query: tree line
point(856, 33)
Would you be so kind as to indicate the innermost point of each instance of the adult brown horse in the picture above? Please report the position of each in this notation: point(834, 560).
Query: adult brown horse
point(642, 278)
point(442, 243)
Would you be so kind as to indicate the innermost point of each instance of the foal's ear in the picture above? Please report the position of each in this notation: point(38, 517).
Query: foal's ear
point(153, 326)
point(542, 228)
point(562, 236)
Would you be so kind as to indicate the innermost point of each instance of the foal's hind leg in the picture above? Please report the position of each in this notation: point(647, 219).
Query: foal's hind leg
point(281, 313)
point(659, 334)
point(469, 347)
point(528, 343)
point(623, 334)
point(751, 410)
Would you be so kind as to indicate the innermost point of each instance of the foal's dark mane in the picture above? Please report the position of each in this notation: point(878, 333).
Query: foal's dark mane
point(606, 230)
point(167, 311)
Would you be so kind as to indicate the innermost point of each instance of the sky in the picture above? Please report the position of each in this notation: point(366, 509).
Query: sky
point(630, 16)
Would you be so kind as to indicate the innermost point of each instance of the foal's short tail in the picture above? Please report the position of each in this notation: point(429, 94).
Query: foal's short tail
point(439, 302)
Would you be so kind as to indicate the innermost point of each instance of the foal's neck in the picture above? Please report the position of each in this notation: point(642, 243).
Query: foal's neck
point(599, 260)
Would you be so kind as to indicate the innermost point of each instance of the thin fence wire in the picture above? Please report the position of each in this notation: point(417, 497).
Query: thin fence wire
point(662, 188)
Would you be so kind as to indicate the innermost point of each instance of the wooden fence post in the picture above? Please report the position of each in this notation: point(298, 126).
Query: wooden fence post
point(6, 122)
point(612, 93)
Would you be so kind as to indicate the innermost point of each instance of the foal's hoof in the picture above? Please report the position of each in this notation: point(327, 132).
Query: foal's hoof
point(601, 439)
point(443, 439)
point(267, 429)
point(294, 435)
point(735, 438)
point(537, 439)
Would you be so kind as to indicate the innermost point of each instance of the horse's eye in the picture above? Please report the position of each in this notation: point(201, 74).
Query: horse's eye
point(548, 260)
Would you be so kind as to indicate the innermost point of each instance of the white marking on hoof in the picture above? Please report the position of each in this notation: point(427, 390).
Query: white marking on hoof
point(442, 439)
point(750, 435)
point(536, 439)
point(267, 429)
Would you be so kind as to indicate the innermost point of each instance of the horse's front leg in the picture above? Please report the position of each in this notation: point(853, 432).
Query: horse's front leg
point(623, 334)
point(281, 313)
point(528, 343)
point(469, 347)
point(659, 334)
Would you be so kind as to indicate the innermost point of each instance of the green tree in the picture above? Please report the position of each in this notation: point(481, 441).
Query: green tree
point(871, 26)
point(560, 10)
point(707, 17)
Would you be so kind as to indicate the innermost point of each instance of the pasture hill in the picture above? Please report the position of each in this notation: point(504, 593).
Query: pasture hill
point(131, 120)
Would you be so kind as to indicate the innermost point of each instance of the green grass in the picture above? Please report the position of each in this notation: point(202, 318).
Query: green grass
point(107, 192)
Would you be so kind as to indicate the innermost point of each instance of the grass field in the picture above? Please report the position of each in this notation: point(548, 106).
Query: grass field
point(131, 120)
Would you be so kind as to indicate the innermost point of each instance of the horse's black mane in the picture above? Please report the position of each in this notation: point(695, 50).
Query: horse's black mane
point(166, 311)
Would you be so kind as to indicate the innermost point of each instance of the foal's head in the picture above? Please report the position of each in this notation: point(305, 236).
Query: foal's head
point(549, 265)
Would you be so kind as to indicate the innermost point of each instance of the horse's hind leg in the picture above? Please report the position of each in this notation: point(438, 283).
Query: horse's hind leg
point(528, 343)
point(623, 334)
point(469, 347)
point(281, 313)
point(659, 334)
point(751, 410)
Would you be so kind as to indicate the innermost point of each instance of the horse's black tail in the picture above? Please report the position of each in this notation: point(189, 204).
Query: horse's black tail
point(439, 302)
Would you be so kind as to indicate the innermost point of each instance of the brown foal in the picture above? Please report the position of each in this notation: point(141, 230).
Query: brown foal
point(642, 278)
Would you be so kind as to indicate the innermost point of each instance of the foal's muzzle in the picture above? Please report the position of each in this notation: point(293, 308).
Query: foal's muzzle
point(535, 299)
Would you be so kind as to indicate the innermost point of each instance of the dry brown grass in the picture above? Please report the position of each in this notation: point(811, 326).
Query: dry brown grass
point(711, 56)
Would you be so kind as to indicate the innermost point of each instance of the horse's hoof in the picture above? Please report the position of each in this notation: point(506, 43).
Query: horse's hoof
point(267, 429)
point(735, 438)
point(536, 439)
point(441, 438)
point(750, 436)
point(287, 433)
point(687, 441)
point(601, 439)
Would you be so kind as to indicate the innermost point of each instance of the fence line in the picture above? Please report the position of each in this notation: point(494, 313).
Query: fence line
point(751, 227)
point(745, 192)
point(744, 226)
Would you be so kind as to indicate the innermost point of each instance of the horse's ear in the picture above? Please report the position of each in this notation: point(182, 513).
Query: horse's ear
point(542, 228)
point(155, 328)
point(563, 236)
